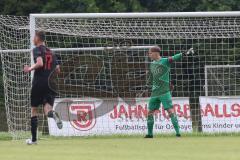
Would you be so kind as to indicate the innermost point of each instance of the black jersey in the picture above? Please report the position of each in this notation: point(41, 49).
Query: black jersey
point(49, 63)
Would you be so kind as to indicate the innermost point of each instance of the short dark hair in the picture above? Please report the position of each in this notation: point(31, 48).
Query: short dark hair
point(41, 35)
point(155, 49)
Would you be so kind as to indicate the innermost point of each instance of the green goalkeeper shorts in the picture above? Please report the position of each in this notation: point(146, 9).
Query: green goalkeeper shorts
point(165, 99)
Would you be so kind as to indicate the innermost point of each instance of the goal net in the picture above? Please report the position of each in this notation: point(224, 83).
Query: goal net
point(102, 88)
point(222, 80)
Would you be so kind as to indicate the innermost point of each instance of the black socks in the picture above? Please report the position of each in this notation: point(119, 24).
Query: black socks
point(34, 125)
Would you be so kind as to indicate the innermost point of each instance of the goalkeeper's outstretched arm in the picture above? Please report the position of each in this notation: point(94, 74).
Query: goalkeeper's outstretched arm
point(179, 56)
point(176, 57)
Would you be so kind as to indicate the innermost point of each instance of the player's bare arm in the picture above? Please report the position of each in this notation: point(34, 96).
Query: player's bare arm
point(58, 70)
point(35, 66)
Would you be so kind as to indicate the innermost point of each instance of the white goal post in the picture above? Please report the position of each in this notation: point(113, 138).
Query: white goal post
point(102, 86)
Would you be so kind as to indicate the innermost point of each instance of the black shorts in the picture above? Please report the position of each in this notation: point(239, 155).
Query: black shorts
point(41, 93)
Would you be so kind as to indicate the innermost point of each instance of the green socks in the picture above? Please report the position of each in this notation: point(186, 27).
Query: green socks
point(150, 122)
point(175, 123)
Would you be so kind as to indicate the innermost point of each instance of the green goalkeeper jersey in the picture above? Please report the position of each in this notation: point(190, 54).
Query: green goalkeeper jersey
point(159, 75)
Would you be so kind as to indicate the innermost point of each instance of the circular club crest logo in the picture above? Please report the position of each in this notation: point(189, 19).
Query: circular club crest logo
point(83, 116)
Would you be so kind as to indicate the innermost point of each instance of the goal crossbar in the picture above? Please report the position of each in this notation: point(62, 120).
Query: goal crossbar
point(139, 15)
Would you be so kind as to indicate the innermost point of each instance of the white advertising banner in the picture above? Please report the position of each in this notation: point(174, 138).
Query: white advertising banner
point(82, 117)
point(220, 114)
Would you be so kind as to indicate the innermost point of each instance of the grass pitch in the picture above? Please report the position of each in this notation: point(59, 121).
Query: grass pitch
point(125, 148)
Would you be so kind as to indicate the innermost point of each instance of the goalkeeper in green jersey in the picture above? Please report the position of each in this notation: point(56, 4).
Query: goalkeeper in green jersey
point(160, 86)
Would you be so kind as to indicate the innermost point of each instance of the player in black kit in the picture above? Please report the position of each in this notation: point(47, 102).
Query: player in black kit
point(45, 63)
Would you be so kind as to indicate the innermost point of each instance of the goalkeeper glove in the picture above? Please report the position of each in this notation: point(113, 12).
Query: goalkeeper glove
point(188, 52)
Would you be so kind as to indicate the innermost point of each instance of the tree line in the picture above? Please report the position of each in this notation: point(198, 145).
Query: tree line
point(25, 7)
